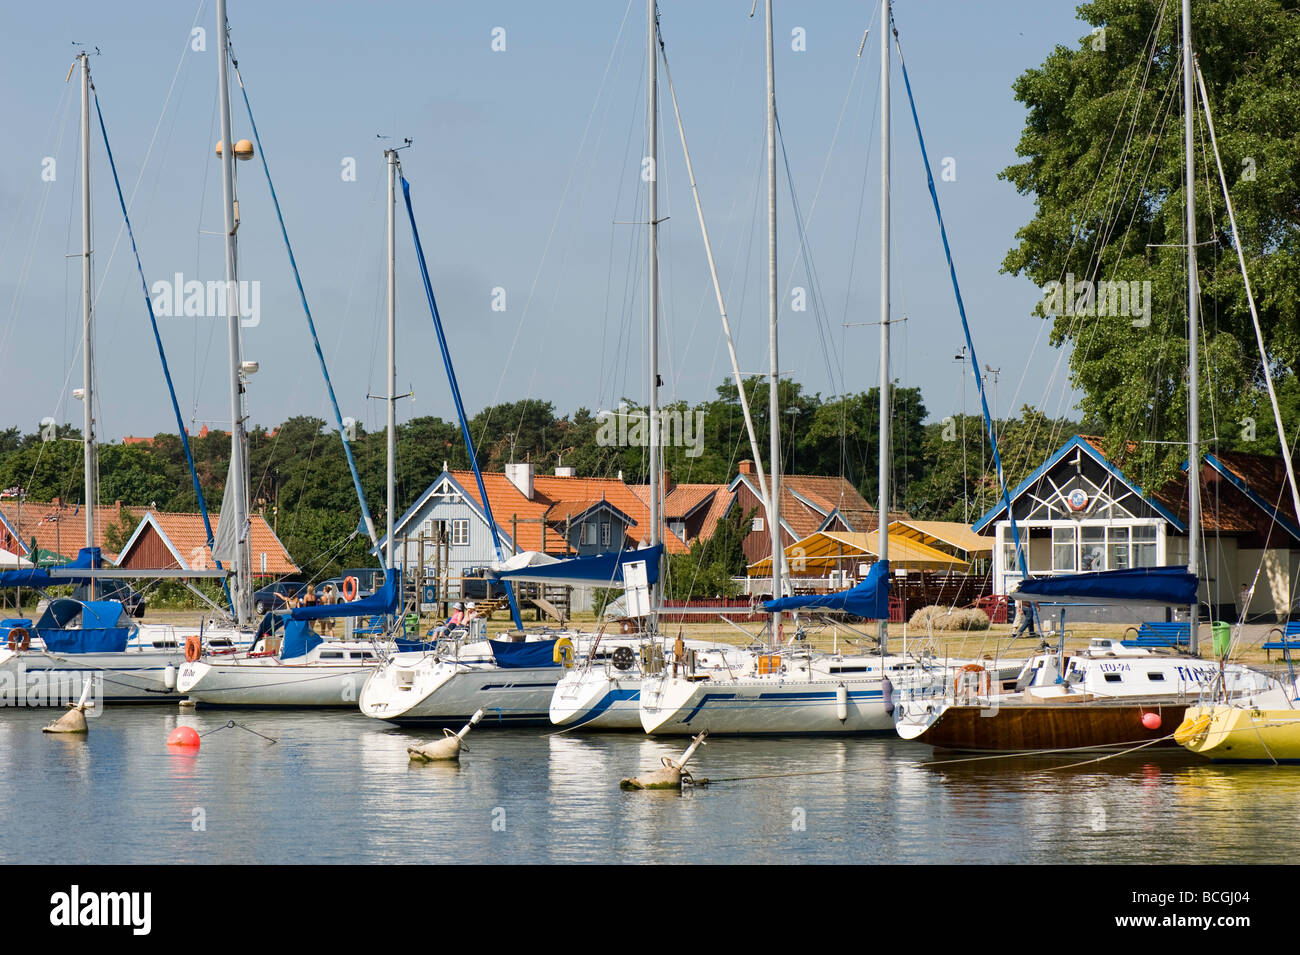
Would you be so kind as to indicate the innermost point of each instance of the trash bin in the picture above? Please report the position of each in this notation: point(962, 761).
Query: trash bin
point(1222, 638)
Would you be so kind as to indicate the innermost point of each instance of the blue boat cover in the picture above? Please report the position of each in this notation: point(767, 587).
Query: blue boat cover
point(105, 640)
point(1143, 585)
point(604, 569)
point(99, 630)
point(382, 601)
point(535, 653)
point(87, 558)
point(299, 640)
point(868, 599)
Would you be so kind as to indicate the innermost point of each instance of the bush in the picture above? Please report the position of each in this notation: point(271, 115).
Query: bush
point(944, 618)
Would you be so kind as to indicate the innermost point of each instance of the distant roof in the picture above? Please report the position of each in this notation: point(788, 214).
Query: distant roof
point(185, 538)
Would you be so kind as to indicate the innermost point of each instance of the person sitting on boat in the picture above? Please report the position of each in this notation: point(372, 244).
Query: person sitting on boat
point(454, 621)
point(1024, 620)
point(470, 615)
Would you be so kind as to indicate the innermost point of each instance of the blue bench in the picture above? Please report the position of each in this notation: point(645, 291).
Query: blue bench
point(1160, 634)
point(1289, 639)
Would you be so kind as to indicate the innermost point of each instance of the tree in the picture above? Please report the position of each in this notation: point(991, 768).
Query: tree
point(1102, 152)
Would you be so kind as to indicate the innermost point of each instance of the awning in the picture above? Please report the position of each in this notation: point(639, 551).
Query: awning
point(820, 553)
point(951, 537)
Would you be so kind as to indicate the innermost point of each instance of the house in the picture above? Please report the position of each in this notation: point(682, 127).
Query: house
point(561, 514)
point(1079, 512)
point(164, 541)
point(58, 528)
point(691, 511)
point(809, 504)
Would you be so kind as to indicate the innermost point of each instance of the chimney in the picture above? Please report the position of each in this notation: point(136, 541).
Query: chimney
point(565, 471)
point(747, 466)
point(667, 482)
point(521, 476)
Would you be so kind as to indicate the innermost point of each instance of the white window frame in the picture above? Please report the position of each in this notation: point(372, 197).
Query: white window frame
point(604, 534)
point(460, 532)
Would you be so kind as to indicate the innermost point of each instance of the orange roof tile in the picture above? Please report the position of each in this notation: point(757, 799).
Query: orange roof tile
point(188, 537)
point(61, 528)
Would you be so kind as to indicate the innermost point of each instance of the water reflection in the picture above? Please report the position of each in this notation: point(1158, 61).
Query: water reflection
point(338, 787)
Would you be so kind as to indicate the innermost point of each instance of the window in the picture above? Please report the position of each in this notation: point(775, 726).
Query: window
point(1144, 545)
point(1156, 677)
point(1092, 548)
point(1063, 549)
point(1117, 552)
point(588, 534)
point(1010, 562)
point(460, 531)
point(604, 534)
point(1113, 677)
point(756, 525)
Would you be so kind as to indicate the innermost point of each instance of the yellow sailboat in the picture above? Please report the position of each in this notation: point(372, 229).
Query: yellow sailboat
point(1265, 729)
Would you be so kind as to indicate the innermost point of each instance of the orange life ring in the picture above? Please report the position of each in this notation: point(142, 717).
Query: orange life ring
point(193, 648)
point(985, 679)
point(19, 639)
point(351, 587)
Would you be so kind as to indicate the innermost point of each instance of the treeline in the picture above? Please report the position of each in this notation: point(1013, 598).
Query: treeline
point(300, 480)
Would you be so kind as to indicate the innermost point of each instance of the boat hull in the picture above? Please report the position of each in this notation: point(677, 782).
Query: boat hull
point(1048, 726)
point(1243, 734)
point(595, 700)
point(447, 694)
point(42, 678)
point(248, 683)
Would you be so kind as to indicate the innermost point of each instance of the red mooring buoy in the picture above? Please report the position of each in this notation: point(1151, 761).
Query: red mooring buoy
point(1151, 721)
point(183, 736)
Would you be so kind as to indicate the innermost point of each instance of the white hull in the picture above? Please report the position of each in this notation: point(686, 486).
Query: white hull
point(415, 688)
point(270, 683)
point(41, 678)
point(596, 700)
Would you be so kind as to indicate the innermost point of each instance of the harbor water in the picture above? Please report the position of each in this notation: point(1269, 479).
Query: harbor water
point(338, 788)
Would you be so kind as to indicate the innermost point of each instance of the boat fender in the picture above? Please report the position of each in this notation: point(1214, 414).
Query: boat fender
point(1151, 721)
point(193, 648)
point(169, 676)
point(562, 653)
point(1191, 729)
point(841, 703)
point(887, 695)
point(351, 587)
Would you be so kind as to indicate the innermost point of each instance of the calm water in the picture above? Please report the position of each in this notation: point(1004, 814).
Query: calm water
point(339, 788)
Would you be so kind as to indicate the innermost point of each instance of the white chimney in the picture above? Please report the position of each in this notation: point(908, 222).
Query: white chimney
point(566, 471)
point(521, 476)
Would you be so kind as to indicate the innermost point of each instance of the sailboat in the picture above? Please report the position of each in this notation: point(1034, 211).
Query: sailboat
point(74, 641)
point(301, 669)
point(1106, 696)
point(788, 688)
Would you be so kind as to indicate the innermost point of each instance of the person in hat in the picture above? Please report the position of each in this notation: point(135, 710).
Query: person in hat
point(455, 620)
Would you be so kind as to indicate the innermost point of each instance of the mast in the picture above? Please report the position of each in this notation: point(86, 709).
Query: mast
point(883, 473)
point(656, 479)
point(391, 155)
point(1193, 333)
point(87, 340)
point(774, 411)
point(242, 591)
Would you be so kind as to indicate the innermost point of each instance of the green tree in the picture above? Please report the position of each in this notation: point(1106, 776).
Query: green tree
point(1102, 152)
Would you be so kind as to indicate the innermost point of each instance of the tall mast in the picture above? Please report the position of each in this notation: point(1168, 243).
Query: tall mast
point(1193, 333)
point(883, 473)
point(391, 155)
point(242, 591)
point(774, 411)
point(656, 471)
point(87, 340)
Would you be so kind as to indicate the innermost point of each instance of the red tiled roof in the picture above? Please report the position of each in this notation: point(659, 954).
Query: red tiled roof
point(61, 528)
point(187, 535)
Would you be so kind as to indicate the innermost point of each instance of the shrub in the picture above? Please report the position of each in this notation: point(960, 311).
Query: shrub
point(944, 618)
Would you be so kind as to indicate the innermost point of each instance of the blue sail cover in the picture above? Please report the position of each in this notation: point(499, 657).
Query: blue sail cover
point(534, 653)
point(382, 601)
point(868, 599)
point(604, 569)
point(299, 640)
point(1144, 585)
point(101, 626)
point(88, 558)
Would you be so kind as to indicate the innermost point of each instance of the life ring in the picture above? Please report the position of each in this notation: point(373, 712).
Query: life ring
point(351, 587)
point(19, 639)
point(193, 648)
point(562, 652)
point(985, 679)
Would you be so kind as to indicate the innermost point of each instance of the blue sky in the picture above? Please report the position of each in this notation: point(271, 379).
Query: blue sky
point(524, 169)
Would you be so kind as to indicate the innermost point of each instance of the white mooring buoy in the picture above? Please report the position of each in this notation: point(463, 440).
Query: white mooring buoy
point(671, 774)
point(73, 721)
point(448, 747)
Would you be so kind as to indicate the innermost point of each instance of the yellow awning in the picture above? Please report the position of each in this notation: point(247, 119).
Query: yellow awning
point(947, 536)
point(820, 553)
